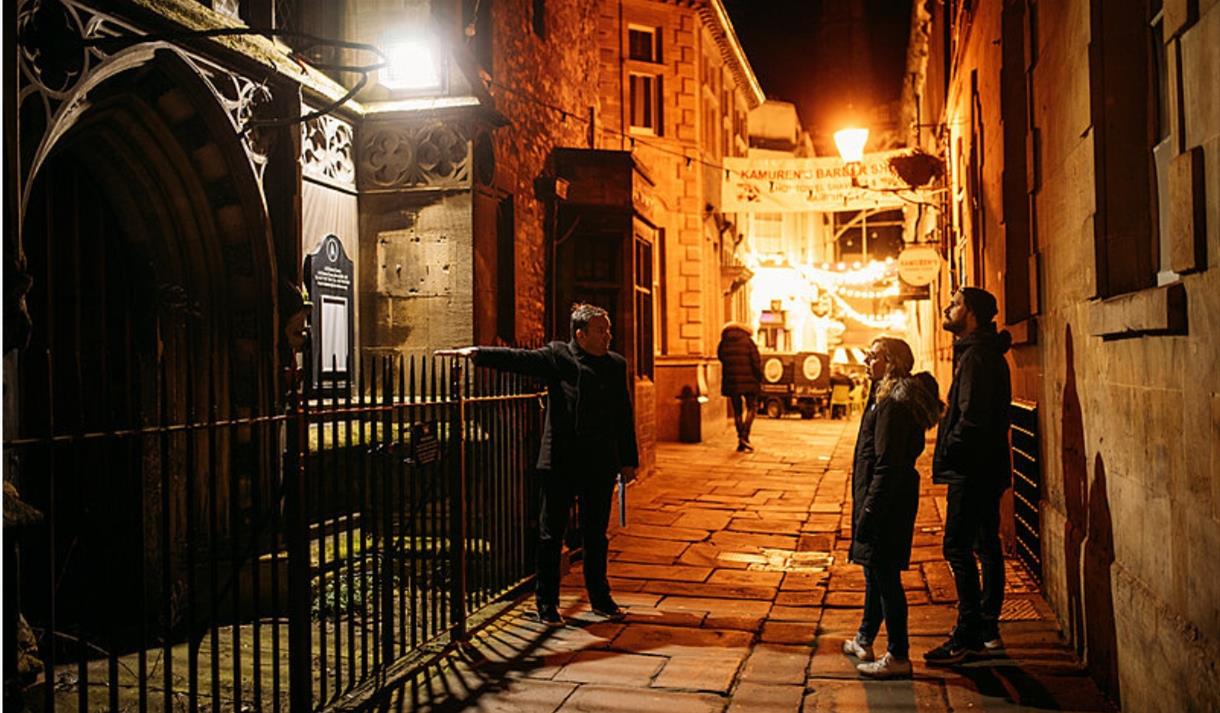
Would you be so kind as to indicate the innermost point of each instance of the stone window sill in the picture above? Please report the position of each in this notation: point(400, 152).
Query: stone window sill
point(1149, 312)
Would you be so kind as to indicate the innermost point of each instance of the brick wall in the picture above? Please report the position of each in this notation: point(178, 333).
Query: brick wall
point(551, 69)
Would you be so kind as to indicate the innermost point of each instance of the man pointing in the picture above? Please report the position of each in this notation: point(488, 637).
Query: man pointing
point(588, 438)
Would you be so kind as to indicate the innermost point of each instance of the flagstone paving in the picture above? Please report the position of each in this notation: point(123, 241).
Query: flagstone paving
point(732, 570)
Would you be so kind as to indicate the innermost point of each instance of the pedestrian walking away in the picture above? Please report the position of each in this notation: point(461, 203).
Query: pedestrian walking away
point(885, 500)
point(588, 439)
point(972, 457)
point(740, 377)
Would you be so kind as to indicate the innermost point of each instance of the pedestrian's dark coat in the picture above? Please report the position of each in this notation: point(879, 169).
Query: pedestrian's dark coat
point(972, 440)
point(742, 370)
point(884, 481)
point(588, 405)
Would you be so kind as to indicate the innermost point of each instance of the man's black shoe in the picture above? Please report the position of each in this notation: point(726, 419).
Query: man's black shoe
point(549, 614)
point(608, 609)
point(951, 652)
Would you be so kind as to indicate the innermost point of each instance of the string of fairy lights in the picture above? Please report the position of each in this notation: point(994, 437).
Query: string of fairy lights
point(895, 321)
point(858, 282)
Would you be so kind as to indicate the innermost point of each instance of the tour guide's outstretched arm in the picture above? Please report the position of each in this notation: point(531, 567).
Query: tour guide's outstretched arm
point(531, 362)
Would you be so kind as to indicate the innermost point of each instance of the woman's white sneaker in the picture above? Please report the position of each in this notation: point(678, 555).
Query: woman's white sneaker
point(853, 647)
point(886, 667)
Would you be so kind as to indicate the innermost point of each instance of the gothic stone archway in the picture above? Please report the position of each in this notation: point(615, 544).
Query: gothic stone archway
point(145, 231)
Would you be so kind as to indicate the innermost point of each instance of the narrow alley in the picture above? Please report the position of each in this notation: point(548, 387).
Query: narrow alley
point(733, 573)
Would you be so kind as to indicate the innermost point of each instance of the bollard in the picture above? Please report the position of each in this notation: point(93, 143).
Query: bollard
point(690, 415)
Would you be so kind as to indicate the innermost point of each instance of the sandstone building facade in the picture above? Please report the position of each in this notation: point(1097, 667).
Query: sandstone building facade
point(676, 90)
point(1083, 147)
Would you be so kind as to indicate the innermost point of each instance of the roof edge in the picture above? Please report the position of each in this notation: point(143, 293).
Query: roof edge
point(715, 14)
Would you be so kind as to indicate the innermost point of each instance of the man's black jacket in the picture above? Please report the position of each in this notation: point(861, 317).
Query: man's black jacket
point(588, 405)
point(972, 440)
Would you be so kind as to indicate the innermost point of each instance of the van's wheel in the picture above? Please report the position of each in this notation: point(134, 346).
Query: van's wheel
point(774, 408)
point(806, 412)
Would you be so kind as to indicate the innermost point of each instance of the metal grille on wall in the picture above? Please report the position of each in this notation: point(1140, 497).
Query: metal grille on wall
point(1027, 484)
point(370, 526)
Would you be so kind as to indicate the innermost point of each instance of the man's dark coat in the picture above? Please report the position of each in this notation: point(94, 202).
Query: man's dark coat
point(573, 422)
point(972, 440)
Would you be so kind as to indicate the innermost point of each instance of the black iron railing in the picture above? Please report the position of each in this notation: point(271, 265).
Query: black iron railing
point(1027, 485)
point(199, 558)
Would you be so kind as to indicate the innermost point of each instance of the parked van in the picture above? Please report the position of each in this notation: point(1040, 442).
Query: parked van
point(795, 383)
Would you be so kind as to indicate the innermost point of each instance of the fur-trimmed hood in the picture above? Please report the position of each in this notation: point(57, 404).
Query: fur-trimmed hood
point(921, 395)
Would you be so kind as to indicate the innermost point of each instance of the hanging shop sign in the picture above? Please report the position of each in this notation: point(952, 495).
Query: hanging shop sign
point(753, 185)
point(918, 265)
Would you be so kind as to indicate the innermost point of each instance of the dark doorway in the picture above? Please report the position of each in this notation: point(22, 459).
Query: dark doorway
point(90, 369)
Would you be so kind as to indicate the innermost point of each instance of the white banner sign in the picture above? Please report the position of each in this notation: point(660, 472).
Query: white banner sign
point(754, 185)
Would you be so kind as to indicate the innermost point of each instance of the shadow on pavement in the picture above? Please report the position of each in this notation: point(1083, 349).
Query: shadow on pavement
point(1025, 685)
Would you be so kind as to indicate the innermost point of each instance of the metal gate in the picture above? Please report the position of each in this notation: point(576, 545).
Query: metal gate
point(1027, 485)
point(269, 561)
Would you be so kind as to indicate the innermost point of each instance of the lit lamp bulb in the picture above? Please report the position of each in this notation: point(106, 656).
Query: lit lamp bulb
point(850, 143)
point(410, 64)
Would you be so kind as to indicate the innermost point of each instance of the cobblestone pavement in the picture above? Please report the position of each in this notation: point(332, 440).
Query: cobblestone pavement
point(733, 572)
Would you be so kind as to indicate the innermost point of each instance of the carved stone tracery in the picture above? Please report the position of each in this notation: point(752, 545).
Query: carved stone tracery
point(55, 64)
point(326, 150)
point(434, 154)
point(245, 102)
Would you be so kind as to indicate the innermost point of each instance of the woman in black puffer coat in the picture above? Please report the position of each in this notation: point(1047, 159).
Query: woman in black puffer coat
point(740, 377)
point(885, 498)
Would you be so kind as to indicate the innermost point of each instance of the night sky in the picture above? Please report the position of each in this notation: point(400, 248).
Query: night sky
point(824, 55)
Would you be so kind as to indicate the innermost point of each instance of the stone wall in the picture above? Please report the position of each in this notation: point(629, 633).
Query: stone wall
point(979, 147)
point(416, 226)
point(1128, 387)
point(1133, 424)
point(418, 176)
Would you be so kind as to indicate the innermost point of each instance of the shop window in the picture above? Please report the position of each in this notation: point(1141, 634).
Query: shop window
point(1018, 283)
point(660, 289)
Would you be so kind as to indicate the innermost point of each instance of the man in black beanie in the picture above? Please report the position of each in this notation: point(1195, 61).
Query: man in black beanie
point(972, 457)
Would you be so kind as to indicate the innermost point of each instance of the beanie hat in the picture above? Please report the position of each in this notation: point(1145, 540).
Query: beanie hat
point(980, 302)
